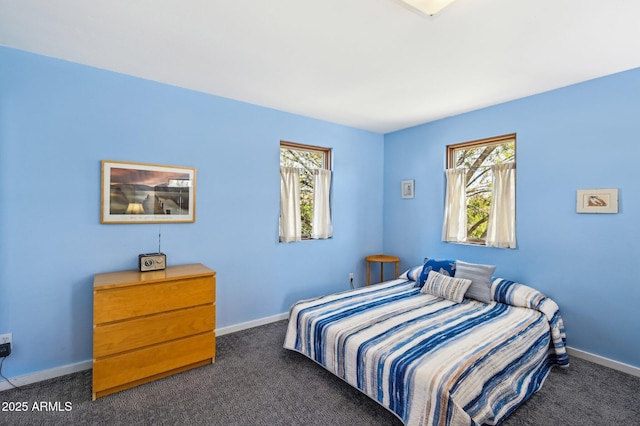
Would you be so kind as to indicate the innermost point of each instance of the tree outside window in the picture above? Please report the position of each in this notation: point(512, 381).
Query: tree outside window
point(477, 158)
point(306, 158)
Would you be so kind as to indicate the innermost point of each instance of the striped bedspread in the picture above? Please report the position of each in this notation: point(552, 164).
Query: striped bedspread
point(429, 360)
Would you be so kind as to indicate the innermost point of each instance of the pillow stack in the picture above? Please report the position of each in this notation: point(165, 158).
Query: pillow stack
point(441, 285)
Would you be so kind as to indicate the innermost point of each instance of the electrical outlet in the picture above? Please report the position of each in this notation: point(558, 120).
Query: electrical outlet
point(350, 277)
point(5, 344)
point(6, 338)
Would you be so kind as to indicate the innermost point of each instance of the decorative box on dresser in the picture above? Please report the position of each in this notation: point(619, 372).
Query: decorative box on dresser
point(148, 325)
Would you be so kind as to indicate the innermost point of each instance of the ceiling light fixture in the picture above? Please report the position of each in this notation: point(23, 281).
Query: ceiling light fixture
point(429, 7)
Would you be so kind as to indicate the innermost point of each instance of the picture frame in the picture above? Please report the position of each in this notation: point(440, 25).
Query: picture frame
point(408, 188)
point(597, 200)
point(147, 193)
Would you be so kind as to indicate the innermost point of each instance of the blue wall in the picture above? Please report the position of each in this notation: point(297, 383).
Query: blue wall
point(58, 120)
point(578, 137)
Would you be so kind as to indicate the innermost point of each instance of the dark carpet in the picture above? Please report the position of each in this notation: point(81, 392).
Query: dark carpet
point(254, 381)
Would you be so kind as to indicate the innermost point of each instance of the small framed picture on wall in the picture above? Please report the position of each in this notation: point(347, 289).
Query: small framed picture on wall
point(597, 201)
point(407, 188)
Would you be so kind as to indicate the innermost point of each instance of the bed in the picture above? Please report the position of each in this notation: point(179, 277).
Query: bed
point(431, 360)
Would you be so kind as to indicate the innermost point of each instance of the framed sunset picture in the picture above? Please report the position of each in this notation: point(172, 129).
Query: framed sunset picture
point(147, 193)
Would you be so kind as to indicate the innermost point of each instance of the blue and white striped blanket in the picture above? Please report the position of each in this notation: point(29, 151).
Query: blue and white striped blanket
point(429, 360)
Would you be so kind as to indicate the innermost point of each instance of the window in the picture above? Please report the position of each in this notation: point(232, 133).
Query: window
point(305, 185)
point(480, 204)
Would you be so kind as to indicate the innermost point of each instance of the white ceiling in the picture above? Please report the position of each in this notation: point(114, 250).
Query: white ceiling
point(370, 64)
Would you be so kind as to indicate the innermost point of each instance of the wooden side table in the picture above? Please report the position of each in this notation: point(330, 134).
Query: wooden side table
point(382, 258)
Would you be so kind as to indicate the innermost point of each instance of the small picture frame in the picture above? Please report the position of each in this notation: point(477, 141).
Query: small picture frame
point(147, 193)
point(597, 200)
point(408, 188)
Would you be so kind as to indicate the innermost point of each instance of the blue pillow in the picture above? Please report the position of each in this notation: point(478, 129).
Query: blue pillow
point(444, 266)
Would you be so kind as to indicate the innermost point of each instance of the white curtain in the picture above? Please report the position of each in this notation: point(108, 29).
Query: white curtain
point(321, 222)
point(501, 229)
point(454, 228)
point(290, 222)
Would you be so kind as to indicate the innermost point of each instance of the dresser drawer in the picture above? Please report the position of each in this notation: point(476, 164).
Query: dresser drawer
point(134, 366)
point(133, 301)
point(123, 336)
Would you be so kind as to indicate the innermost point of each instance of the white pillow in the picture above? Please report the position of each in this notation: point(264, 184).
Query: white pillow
point(446, 287)
point(411, 274)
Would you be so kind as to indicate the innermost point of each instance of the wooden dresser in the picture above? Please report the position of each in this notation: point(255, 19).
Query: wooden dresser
point(148, 325)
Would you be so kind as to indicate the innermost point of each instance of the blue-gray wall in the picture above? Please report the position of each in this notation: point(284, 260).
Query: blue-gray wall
point(58, 120)
point(579, 137)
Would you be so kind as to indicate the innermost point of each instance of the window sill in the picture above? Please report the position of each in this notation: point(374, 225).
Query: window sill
point(478, 244)
point(305, 239)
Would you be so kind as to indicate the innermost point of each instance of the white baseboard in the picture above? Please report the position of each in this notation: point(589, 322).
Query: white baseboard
point(251, 324)
point(86, 365)
point(597, 359)
point(51, 373)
